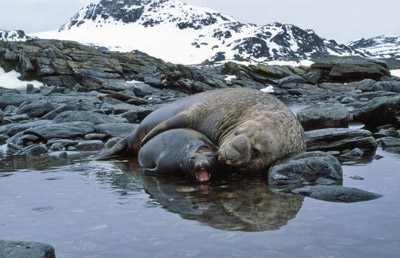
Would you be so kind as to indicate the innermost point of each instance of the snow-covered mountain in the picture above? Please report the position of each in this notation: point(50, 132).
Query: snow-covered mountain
point(181, 33)
point(13, 35)
point(383, 46)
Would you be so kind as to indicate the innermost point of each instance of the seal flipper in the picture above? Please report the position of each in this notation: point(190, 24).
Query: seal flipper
point(115, 151)
point(181, 120)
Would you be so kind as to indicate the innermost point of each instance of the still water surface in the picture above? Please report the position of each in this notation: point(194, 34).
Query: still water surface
point(88, 208)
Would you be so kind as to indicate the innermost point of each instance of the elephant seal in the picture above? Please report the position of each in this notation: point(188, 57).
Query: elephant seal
point(180, 151)
point(251, 129)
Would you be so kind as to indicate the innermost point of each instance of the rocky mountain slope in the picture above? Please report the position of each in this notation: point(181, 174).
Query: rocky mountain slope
point(13, 35)
point(181, 33)
point(381, 46)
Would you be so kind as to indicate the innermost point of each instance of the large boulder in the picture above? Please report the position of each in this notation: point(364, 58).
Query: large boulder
point(379, 111)
point(62, 130)
point(36, 108)
point(305, 169)
point(324, 116)
point(340, 139)
point(348, 69)
point(88, 116)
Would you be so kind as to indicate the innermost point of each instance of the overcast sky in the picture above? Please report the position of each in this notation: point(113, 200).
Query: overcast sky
point(342, 20)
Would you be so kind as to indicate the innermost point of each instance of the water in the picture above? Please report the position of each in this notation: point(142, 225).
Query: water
point(88, 208)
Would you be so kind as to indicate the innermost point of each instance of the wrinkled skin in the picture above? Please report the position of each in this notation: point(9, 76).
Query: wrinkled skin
point(251, 129)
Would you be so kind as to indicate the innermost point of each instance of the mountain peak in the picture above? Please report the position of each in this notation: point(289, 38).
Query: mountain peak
point(182, 33)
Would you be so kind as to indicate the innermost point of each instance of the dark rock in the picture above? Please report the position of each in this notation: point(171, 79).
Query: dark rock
point(14, 119)
point(36, 108)
point(46, 91)
point(143, 90)
point(111, 142)
point(36, 150)
point(52, 114)
point(347, 70)
point(324, 116)
point(365, 85)
point(18, 249)
point(340, 139)
point(88, 116)
point(292, 79)
point(353, 154)
point(13, 99)
point(116, 129)
point(62, 130)
point(13, 129)
point(390, 144)
point(63, 142)
point(305, 169)
point(3, 138)
point(335, 193)
point(95, 136)
point(137, 114)
point(92, 145)
point(379, 111)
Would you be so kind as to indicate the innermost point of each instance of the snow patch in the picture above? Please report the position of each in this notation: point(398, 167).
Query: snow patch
point(10, 80)
point(395, 72)
point(229, 78)
point(268, 89)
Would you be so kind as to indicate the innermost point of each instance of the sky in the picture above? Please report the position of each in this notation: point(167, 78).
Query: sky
point(341, 20)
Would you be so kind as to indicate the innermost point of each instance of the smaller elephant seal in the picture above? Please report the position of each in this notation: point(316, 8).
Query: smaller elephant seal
point(179, 151)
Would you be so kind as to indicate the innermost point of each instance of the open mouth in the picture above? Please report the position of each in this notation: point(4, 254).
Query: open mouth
point(203, 176)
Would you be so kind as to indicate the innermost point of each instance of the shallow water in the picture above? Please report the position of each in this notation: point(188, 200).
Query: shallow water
point(88, 208)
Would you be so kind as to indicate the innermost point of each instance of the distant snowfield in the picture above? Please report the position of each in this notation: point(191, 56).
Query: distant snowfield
point(10, 80)
point(395, 72)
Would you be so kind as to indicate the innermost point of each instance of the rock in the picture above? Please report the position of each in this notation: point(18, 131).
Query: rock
point(46, 91)
point(62, 130)
point(36, 108)
point(36, 150)
point(3, 138)
point(390, 144)
point(335, 193)
point(111, 142)
point(347, 70)
point(137, 114)
point(365, 85)
point(292, 79)
point(95, 136)
point(92, 145)
point(116, 129)
point(324, 116)
point(88, 116)
point(19, 249)
point(143, 90)
point(52, 114)
point(10, 99)
point(379, 111)
point(305, 169)
point(340, 139)
point(13, 129)
point(353, 154)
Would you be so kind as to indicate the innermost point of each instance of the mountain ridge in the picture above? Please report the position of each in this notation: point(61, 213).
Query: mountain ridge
point(181, 33)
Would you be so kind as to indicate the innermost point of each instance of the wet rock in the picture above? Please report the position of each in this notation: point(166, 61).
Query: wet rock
point(62, 130)
point(379, 111)
point(352, 154)
point(36, 108)
point(340, 139)
point(3, 138)
point(116, 129)
point(13, 129)
point(324, 116)
point(36, 150)
point(306, 169)
point(92, 145)
point(335, 193)
point(95, 136)
point(88, 116)
point(390, 144)
point(111, 142)
point(19, 249)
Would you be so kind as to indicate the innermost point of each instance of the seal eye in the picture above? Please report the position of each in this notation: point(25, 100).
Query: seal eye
point(254, 152)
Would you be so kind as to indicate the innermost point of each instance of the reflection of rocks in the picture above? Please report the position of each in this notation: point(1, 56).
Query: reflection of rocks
point(335, 193)
point(306, 169)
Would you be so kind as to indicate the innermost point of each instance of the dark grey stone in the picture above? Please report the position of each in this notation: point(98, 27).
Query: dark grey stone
point(12, 129)
point(36, 150)
point(13, 99)
point(19, 249)
point(335, 193)
point(305, 169)
point(62, 130)
point(116, 129)
point(324, 116)
point(88, 116)
point(340, 139)
point(353, 154)
point(390, 142)
point(111, 142)
point(36, 108)
point(92, 145)
point(52, 114)
point(379, 111)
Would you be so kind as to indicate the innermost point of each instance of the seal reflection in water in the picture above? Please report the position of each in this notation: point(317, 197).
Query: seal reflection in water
point(179, 151)
point(251, 129)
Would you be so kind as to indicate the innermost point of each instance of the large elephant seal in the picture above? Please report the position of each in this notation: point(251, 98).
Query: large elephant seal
point(180, 151)
point(252, 129)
